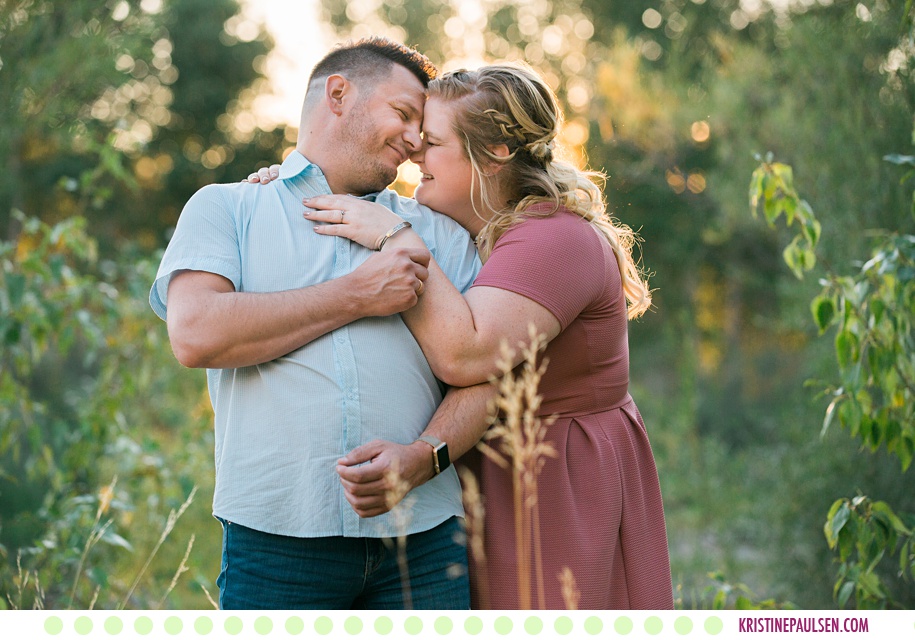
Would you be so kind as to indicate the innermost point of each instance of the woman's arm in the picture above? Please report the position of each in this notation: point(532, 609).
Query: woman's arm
point(459, 335)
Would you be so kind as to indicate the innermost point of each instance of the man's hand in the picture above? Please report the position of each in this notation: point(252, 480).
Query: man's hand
point(372, 488)
point(391, 281)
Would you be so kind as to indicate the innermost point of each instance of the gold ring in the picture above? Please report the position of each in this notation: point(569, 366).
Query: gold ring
point(422, 287)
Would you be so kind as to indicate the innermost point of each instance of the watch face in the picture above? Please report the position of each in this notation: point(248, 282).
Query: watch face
point(441, 454)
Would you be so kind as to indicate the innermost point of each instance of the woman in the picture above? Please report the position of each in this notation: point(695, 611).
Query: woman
point(552, 257)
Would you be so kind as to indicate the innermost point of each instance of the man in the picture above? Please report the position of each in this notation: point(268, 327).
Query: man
point(307, 360)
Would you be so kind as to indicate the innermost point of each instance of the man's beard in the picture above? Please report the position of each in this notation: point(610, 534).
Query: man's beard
point(369, 172)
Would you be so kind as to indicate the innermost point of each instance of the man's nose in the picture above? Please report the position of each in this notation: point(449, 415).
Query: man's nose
point(413, 139)
point(417, 156)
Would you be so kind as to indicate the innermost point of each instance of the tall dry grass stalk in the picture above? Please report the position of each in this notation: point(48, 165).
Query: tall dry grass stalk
point(170, 523)
point(181, 569)
point(23, 578)
point(401, 508)
point(209, 597)
point(474, 513)
point(106, 495)
point(519, 444)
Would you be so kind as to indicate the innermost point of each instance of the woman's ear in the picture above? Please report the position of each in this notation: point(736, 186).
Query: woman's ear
point(500, 151)
point(336, 89)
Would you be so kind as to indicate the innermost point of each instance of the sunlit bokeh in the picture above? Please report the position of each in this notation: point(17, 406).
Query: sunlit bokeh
point(301, 40)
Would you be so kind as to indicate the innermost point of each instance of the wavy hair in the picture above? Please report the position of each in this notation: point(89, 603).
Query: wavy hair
point(511, 105)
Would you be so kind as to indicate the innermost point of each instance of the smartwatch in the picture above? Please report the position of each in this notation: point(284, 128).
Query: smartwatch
point(440, 458)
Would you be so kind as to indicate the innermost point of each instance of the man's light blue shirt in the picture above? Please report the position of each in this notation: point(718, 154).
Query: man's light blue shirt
point(281, 426)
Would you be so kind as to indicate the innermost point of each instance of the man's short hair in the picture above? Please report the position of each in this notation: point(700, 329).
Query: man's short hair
point(362, 60)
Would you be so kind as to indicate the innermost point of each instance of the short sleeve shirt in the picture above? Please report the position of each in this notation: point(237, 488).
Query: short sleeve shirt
point(281, 426)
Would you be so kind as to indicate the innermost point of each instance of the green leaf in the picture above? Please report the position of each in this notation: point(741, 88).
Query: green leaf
point(785, 173)
point(878, 428)
point(839, 515)
point(846, 348)
point(824, 311)
point(115, 540)
point(878, 307)
point(771, 209)
point(720, 600)
point(847, 540)
point(812, 230)
point(871, 585)
point(794, 258)
point(845, 593)
point(789, 204)
point(903, 450)
point(894, 520)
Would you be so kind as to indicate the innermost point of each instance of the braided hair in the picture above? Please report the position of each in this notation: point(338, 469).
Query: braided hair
point(511, 105)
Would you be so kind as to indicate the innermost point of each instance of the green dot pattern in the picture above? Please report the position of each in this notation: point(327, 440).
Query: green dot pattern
point(413, 625)
point(473, 625)
point(683, 625)
point(323, 626)
point(623, 625)
point(714, 626)
point(654, 626)
point(53, 625)
point(83, 625)
point(353, 626)
point(503, 625)
point(443, 625)
point(234, 625)
point(518, 625)
point(173, 625)
point(113, 625)
point(295, 626)
point(383, 626)
point(263, 625)
point(203, 625)
point(143, 625)
point(533, 625)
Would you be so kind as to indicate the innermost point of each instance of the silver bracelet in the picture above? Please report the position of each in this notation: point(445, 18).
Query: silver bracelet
point(403, 224)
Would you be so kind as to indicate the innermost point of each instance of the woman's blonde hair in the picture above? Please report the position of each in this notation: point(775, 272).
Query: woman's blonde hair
point(509, 104)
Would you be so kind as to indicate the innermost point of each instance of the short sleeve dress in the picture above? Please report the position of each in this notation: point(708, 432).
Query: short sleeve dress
point(599, 501)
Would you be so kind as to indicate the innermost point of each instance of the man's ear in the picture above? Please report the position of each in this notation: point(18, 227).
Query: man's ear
point(500, 151)
point(337, 90)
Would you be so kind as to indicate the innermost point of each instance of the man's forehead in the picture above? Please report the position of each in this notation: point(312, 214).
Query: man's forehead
point(402, 83)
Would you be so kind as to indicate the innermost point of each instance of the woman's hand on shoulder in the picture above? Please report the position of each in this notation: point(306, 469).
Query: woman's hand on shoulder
point(350, 217)
point(264, 175)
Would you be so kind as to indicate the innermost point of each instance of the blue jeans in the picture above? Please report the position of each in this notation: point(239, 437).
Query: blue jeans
point(267, 571)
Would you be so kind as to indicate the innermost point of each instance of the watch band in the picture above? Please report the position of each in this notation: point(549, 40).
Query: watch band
point(440, 458)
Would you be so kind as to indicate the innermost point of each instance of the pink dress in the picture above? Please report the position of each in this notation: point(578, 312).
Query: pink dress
point(599, 501)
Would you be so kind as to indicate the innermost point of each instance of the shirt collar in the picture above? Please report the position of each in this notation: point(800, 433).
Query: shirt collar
point(296, 164)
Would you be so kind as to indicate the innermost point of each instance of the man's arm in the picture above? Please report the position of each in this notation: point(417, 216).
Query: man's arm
point(461, 420)
point(210, 325)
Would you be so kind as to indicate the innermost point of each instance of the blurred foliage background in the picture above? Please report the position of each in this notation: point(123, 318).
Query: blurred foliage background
point(113, 113)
